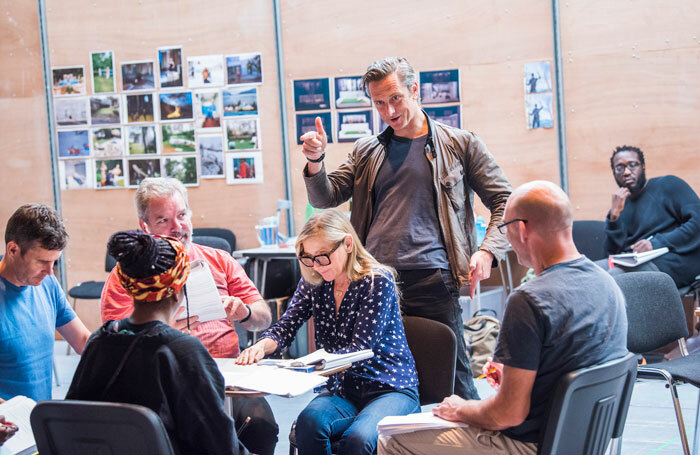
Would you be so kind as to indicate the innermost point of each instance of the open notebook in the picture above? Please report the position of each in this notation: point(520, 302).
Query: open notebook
point(17, 411)
point(320, 360)
point(635, 259)
point(267, 379)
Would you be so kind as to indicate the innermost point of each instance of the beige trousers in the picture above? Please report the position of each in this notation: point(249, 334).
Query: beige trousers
point(457, 441)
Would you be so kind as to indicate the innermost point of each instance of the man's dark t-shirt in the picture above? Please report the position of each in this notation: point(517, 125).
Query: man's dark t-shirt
point(572, 315)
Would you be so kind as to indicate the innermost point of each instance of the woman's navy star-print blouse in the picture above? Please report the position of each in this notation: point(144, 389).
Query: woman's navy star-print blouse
point(368, 318)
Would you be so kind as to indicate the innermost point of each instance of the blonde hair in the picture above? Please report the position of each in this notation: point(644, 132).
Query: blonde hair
point(332, 225)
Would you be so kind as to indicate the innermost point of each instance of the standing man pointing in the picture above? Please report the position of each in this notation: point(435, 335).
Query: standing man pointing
point(413, 188)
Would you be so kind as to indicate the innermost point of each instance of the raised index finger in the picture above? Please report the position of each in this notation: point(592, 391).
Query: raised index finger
point(319, 126)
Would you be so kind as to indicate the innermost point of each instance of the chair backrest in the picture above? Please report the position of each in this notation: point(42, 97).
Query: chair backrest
point(434, 349)
point(213, 242)
point(223, 233)
point(655, 315)
point(88, 427)
point(589, 238)
point(589, 407)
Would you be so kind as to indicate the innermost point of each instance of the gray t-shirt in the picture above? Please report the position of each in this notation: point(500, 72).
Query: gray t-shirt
point(405, 232)
point(572, 315)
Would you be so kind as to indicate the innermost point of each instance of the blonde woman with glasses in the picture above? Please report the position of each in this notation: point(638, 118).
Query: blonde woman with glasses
point(354, 302)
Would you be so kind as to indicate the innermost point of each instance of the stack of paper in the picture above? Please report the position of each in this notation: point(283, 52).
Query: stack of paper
point(204, 299)
point(635, 259)
point(391, 425)
point(320, 360)
point(17, 411)
point(276, 381)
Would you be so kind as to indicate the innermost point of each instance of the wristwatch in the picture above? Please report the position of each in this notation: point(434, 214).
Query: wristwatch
point(317, 160)
point(245, 319)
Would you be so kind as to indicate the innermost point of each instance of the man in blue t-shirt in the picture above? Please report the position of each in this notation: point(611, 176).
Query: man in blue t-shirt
point(32, 303)
point(571, 315)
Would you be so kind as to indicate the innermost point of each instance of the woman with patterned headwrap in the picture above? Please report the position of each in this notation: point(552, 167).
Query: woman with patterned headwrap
point(142, 360)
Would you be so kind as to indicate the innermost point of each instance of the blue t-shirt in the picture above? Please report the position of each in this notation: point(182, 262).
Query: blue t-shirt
point(29, 316)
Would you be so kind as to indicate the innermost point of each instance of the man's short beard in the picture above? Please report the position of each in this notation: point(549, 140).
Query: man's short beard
point(637, 187)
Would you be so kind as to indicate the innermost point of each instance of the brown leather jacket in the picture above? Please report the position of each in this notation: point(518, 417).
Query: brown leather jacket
point(461, 165)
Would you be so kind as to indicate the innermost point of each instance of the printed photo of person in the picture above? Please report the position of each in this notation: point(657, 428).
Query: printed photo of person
point(109, 174)
point(537, 77)
point(244, 168)
point(205, 71)
point(68, 81)
point(138, 76)
point(538, 111)
point(102, 70)
point(170, 67)
point(244, 69)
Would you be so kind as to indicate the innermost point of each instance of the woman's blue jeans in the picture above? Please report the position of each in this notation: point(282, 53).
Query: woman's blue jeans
point(352, 419)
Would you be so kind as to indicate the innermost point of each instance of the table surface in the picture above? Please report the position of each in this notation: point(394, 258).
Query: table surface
point(274, 251)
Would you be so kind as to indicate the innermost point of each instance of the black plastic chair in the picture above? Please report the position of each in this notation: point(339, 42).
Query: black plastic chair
point(89, 427)
point(223, 233)
point(213, 242)
point(656, 318)
point(435, 367)
point(589, 408)
point(589, 238)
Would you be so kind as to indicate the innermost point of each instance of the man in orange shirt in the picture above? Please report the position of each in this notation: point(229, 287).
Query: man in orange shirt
point(162, 209)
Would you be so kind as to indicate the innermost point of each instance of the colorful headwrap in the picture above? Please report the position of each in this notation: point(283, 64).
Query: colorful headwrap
point(151, 254)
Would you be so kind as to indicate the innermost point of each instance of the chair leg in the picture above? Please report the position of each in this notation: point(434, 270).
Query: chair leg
point(679, 416)
point(696, 437)
point(615, 446)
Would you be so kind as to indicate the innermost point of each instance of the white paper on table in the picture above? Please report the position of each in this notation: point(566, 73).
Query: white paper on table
point(204, 298)
point(17, 411)
point(392, 425)
point(273, 380)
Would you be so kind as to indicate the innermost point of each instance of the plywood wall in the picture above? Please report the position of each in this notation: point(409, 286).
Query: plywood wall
point(630, 72)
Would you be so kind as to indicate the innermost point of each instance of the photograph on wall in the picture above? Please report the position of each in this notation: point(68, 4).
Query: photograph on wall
point(138, 76)
point(102, 70)
point(205, 71)
point(207, 109)
point(211, 155)
point(71, 111)
point(175, 106)
point(244, 168)
point(538, 111)
point(68, 80)
point(349, 93)
point(178, 138)
point(109, 174)
point(183, 168)
point(140, 169)
point(107, 141)
point(244, 69)
point(537, 77)
point(170, 67)
point(73, 143)
point(242, 133)
point(311, 94)
point(354, 125)
point(104, 109)
point(307, 122)
point(139, 108)
point(240, 101)
point(449, 115)
point(439, 86)
point(141, 140)
point(75, 174)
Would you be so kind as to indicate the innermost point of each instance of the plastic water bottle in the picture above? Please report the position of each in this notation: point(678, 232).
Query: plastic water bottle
point(480, 229)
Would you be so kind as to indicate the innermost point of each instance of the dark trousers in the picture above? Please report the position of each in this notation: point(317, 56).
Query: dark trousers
point(433, 294)
point(260, 435)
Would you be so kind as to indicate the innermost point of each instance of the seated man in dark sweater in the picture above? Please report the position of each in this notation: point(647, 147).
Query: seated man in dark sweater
point(142, 360)
point(650, 214)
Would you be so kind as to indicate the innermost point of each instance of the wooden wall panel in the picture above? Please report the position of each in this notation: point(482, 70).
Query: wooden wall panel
point(134, 30)
point(630, 77)
point(487, 41)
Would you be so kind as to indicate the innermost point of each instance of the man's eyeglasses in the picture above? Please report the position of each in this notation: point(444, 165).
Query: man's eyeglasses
point(320, 259)
point(502, 227)
point(632, 166)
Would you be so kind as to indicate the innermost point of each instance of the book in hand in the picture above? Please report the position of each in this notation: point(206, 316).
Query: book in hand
point(320, 360)
point(204, 299)
point(17, 411)
point(391, 425)
point(635, 259)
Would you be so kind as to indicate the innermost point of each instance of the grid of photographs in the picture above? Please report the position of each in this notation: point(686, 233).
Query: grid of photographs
point(440, 96)
point(190, 118)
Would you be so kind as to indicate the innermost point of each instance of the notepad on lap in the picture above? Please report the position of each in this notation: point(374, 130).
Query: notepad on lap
point(635, 259)
point(204, 298)
point(17, 411)
point(392, 425)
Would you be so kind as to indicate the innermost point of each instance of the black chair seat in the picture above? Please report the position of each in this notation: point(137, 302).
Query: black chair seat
point(686, 369)
point(87, 290)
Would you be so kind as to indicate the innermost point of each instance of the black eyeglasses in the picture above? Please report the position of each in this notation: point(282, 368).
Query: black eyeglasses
point(501, 227)
point(632, 166)
point(320, 259)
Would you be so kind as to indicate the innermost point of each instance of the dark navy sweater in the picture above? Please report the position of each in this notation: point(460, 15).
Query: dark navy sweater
point(668, 209)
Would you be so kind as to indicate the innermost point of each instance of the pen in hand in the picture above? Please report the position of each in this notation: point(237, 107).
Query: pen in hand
point(482, 376)
point(243, 426)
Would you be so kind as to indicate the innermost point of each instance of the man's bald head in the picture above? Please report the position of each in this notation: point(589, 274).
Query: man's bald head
point(543, 204)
